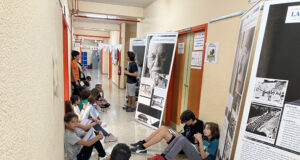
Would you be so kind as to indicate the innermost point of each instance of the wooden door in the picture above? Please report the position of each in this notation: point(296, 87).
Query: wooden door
point(177, 80)
point(195, 78)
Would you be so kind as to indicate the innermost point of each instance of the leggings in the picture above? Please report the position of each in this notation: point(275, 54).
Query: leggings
point(181, 143)
point(85, 152)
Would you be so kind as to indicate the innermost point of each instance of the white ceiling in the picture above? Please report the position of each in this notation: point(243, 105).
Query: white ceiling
point(135, 3)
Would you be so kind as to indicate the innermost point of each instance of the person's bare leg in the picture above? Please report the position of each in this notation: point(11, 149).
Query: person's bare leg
point(129, 100)
point(133, 99)
point(154, 133)
point(163, 134)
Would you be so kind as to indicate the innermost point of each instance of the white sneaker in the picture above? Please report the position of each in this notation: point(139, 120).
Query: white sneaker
point(104, 124)
point(110, 138)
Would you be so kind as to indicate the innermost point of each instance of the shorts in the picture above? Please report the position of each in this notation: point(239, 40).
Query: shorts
point(130, 89)
point(170, 141)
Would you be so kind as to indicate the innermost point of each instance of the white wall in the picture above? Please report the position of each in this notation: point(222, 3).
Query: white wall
point(31, 86)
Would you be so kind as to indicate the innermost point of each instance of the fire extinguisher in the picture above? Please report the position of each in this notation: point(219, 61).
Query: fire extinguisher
point(119, 70)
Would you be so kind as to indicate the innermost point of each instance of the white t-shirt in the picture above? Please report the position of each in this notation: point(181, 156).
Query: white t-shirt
point(90, 111)
point(76, 110)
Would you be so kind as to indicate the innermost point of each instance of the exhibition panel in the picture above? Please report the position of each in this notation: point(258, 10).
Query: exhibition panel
point(238, 77)
point(156, 72)
point(270, 124)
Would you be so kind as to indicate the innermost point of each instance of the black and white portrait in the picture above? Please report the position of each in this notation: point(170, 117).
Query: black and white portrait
point(158, 63)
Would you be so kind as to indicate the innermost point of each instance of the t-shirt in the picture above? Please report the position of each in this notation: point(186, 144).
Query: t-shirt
point(70, 139)
point(190, 130)
point(74, 65)
point(90, 111)
point(211, 147)
point(85, 101)
point(76, 110)
point(132, 67)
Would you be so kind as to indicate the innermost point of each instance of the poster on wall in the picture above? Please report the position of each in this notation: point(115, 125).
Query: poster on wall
point(212, 52)
point(196, 60)
point(137, 46)
point(181, 48)
point(199, 39)
point(156, 73)
point(243, 52)
point(270, 125)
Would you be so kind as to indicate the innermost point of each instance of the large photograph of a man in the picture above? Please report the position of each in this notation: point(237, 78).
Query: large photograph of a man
point(158, 62)
point(156, 72)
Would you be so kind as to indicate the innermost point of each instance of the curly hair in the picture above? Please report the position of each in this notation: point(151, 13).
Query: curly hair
point(214, 128)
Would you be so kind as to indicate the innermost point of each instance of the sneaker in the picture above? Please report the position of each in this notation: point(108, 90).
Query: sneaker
point(125, 107)
point(156, 157)
point(103, 158)
point(130, 109)
point(137, 144)
point(110, 138)
point(139, 149)
point(103, 124)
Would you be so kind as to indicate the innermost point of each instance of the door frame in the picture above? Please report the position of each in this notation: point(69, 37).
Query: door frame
point(65, 58)
point(170, 92)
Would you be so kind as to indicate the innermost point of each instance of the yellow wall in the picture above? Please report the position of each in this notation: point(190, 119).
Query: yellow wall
point(166, 15)
point(114, 39)
point(128, 31)
point(31, 61)
point(105, 60)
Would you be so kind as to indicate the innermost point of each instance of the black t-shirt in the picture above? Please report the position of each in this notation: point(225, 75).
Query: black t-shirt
point(189, 131)
point(132, 67)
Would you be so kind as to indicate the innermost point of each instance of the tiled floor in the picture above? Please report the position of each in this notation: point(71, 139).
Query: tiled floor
point(121, 123)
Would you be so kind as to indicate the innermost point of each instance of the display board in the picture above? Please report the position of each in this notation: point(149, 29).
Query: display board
point(156, 73)
point(240, 67)
point(270, 126)
point(137, 46)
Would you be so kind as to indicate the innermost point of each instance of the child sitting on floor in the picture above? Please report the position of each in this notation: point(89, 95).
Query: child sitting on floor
point(84, 96)
point(91, 112)
point(206, 148)
point(75, 100)
point(101, 97)
point(75, 147)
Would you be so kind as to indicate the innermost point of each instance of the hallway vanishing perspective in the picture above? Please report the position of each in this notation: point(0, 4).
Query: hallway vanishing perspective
point(182, 79)
point(121, 123)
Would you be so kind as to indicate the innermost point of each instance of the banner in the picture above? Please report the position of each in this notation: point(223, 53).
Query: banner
point(137, 46)
point(156, 73)
point(240, 67)
point(270, 127)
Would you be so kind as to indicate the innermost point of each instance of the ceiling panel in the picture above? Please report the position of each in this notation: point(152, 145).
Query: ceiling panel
point(135, 3)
